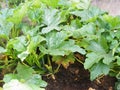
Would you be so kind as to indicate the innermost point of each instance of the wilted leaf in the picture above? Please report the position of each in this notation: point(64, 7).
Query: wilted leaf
point(64, 60)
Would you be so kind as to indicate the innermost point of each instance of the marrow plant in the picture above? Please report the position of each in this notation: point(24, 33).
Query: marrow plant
point(37, 33)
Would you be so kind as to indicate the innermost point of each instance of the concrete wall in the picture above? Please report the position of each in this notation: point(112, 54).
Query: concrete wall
point(112, 6)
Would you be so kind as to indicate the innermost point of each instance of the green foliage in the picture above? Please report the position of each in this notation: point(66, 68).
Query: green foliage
point(41, 32)
point(52, 3)
point(25, 79)
point(2, 50)
point(117, 86)
point(18, 13)
point(57, 44)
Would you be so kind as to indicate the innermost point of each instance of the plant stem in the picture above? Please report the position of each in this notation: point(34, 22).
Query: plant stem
point(113, 71)
point(56, 70)
point(79, 60)
point(49, 62)
point(41, 56)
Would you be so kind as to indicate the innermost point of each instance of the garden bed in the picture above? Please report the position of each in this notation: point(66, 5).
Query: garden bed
point(77, 78)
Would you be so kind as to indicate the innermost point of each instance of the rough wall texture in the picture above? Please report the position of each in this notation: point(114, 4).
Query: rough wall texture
point(112, 6)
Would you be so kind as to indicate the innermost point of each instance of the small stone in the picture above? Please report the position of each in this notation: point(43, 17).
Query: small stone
point(91, 88)
point(77, 71)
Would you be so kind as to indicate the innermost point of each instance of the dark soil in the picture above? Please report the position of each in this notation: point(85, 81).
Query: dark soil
point(1, 77)
point(76, 78)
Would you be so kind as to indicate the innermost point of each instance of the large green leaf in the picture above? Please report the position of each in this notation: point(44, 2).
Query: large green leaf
point(88, 31)
point(79, 4)
point(52, 3)
point(18, 43)
point(34, 42)
point(24, 79)
point(24, 72)
point(76, 31)
point(97, 54)
point(13, 84)
point(52, 18)
point(8, 77)
point(113, 21)
point(37, 80)
point(103, 42)
point(117, 33)
point(91, 59)
point(108, 58)
point(70, 46)
point(88, 14)
point(115, 46)
point(99, 69)
point(96, 47)
point(118, 60)
point(5, 27)
point(58, 45)
point(30, 31)
point(19, 13)
point(55, 39)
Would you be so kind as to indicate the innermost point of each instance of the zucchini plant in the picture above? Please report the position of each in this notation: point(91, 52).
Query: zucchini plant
point(38, 33)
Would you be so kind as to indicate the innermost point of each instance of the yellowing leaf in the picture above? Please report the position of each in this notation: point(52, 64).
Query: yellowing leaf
point(64, 60)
